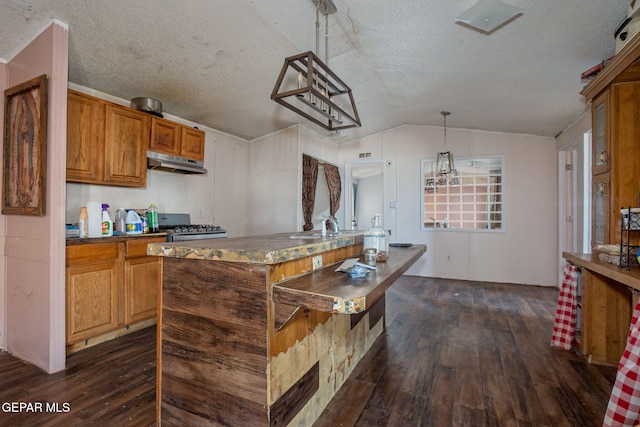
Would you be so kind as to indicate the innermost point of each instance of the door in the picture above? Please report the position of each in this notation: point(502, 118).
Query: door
point(570, 204)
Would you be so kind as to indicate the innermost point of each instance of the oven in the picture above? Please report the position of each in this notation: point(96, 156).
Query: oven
point(179, 228)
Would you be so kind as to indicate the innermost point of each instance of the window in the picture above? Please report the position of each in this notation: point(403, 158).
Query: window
point(472, 199)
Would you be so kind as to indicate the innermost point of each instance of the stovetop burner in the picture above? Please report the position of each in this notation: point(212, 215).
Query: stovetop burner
point(192, 228)
point(179, 227)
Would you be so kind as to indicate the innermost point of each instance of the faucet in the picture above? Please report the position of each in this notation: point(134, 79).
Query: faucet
point(334, 224)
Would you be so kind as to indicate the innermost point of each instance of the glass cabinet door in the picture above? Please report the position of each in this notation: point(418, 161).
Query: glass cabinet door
point(600, 124)
point(600, 219)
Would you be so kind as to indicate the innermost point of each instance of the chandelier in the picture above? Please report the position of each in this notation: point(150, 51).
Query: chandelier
point(445, 169)
point(307, 86)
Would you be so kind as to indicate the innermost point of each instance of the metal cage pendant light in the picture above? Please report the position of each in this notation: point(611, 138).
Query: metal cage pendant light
point(308, 87)
point(444, 160)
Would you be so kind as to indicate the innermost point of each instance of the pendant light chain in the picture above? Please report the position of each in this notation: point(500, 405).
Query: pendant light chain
point(326, 38)
point(317, 27)
point(445, 114)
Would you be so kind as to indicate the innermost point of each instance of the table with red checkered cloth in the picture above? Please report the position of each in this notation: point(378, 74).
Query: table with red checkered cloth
point(564, 326)
point(624, 403)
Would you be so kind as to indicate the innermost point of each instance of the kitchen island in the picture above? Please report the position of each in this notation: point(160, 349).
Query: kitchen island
point(251, 334)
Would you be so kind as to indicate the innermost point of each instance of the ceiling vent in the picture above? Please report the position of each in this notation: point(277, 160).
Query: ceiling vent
point(488, 15)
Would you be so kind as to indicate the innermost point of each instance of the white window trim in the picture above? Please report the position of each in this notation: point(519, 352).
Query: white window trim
point(423, 175)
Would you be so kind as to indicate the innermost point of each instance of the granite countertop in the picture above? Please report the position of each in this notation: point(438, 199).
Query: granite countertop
point(268, 249)
point(111, 239)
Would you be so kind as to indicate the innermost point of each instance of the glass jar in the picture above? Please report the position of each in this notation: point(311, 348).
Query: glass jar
point(376, 237)
point(370, 256)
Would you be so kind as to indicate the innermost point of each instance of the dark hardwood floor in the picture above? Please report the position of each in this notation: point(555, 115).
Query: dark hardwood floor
point(454, 354)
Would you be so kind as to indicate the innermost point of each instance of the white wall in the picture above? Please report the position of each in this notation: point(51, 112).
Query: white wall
point(275, 178)
point(525, 252)
point(256, 189)
point(217, 197)
point(273, 183)
point(231, 175)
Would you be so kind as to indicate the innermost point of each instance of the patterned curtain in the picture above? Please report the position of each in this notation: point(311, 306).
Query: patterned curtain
point(332, 174)
point(309, 180)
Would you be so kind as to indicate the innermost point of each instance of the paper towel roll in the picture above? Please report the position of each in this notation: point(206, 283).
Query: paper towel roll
point(94, 212)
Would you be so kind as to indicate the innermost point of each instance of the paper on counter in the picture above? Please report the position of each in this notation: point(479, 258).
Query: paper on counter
point(349, 263)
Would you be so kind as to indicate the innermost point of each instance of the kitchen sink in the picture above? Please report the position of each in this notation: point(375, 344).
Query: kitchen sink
point(319, 235)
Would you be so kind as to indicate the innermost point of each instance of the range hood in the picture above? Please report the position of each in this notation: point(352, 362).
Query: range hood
point(169, 163)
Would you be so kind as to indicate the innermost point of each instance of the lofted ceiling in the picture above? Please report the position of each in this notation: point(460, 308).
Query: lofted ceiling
point(215, 62)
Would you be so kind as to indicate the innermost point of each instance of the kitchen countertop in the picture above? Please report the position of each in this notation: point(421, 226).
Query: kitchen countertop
point(336, 292)
point(591, 262)
point(112, 239)
point(268, 249)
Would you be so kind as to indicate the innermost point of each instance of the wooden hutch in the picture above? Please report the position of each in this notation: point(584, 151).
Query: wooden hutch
point(607, 289)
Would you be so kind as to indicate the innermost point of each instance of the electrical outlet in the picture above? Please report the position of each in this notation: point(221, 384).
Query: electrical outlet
point(448, 258)
point(317, 262)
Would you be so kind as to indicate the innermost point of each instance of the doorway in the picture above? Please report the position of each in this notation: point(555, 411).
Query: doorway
point(364, 193)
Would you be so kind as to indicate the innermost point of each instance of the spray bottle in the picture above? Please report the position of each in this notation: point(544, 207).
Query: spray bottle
point(107, 224)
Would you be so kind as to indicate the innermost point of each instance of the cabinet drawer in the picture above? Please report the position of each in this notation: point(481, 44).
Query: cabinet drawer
point(138, 247)
point(92, 252)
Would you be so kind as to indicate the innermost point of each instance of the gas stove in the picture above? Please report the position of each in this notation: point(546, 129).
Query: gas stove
point(179, 228)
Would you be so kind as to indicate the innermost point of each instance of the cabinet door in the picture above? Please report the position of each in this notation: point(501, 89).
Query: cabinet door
point(192, 143)
point(85, 138)
point(126, 142)
point(600, 134)
point(142, 281)
point(601, 206)
point(165, 136)
point(92, 299)
point(606, 315)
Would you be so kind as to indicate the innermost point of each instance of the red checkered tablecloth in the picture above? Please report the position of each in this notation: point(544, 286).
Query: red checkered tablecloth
point(624, 403)
point(564, 326)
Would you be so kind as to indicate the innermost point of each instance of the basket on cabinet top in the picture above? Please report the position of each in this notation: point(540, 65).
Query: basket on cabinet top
point(630, 221)
point(630, 218)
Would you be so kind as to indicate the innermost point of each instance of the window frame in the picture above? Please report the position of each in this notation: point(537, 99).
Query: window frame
point(427, 166)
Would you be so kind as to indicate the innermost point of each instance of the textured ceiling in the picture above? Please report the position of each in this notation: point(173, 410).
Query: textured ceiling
point(215, 62)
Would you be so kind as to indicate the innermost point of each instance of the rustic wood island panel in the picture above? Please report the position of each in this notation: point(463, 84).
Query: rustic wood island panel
point(231, 353)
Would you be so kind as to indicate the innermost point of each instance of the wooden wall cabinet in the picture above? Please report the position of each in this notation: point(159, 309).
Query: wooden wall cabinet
point(110, 286)
point(176, 139)
point(106, 143)
point(85, 138)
